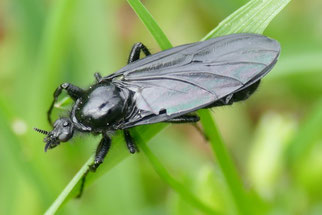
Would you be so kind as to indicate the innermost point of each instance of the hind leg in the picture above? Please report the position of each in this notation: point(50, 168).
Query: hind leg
point(189, 119)
point(184, 119)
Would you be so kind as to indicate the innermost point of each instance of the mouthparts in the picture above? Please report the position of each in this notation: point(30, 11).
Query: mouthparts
point(50, 140)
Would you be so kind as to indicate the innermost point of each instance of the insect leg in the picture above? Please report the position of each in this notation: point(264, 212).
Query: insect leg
point(184, 119)
point(189, 119)
point(101, 152)
point(129, 142)
point(82, 186)
point(73, 91)
point(98, 77)
point(136, 50)
point(201, 132)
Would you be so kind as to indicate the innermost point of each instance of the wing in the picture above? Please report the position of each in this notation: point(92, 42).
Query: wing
point(193, 76)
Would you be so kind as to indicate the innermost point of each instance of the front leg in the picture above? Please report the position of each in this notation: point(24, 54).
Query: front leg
point(73, 91)
point(136, 50)
point(101, 151)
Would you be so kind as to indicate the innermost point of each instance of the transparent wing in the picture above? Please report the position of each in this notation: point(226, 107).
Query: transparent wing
point(189, 77)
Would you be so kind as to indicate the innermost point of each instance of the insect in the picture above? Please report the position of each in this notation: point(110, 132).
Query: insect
point(164, 87)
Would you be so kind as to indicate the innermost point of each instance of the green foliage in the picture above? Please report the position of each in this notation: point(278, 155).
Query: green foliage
point(253, 17)
point(149, 22)
point(273, 139)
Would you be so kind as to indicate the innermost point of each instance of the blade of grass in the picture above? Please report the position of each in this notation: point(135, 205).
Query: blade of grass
point(70, 186)
point(150, 24)
point(225, 162)
point(117, 153)
point(185, 194)
point(253, 17)
point(164, 43)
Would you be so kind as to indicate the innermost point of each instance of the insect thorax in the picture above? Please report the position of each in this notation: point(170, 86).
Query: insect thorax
point(101, 106)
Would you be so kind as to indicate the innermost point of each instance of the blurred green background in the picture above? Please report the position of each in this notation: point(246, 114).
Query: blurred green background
point(275, 137)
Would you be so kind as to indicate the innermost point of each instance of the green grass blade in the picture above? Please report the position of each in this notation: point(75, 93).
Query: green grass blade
point(164, 43)
point(63, 195)
point(150, 24)
point(224, 161)
point(172, 182)
point(253, 17)
point(117, 153)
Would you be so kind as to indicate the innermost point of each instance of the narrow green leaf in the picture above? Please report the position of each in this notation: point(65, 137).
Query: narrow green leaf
point(164, 43)
point(70, 186)
point(117, 153)
point(174, 184)
point(224, 161)
point(253, 17)
point(150, 24)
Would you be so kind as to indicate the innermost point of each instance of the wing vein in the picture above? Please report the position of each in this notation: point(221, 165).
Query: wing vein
point(222, 76)
point(252, 51)
point(222, 63)
point(174, 79)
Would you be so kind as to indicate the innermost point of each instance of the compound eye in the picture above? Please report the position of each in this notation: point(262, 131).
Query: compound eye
point(65, 124)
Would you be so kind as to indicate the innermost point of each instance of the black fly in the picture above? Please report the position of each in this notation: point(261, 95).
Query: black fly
point(164, 87)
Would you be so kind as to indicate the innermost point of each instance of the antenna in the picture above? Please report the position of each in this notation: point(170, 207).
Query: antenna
point(41, 131)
